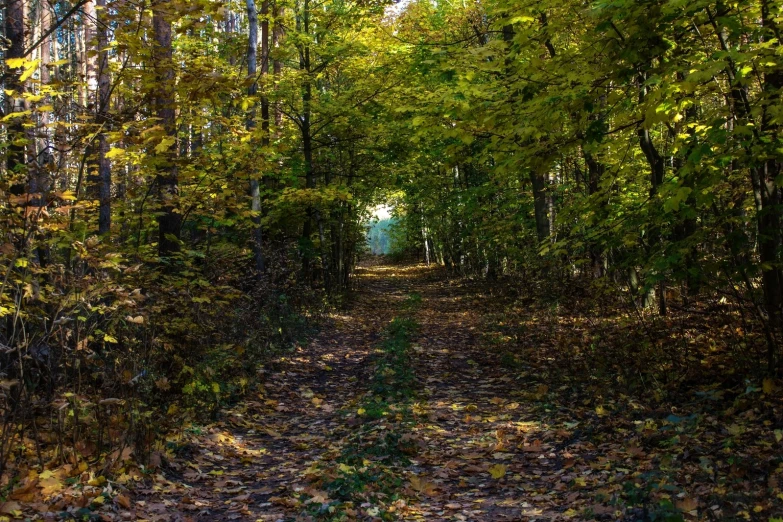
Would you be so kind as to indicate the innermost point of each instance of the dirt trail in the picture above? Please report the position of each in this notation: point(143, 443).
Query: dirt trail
point(483, 449)
point(249, 465)
point(482, 455)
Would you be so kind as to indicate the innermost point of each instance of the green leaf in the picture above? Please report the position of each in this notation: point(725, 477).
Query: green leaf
point(164, 145)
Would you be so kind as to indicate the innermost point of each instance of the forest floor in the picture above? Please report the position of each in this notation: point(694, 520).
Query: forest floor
point(402, 408)
point(469, 450)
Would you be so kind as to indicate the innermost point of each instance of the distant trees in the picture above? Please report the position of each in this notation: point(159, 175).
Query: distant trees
point(379, 236)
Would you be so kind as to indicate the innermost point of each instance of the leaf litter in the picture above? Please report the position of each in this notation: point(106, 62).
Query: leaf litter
point(477, 438)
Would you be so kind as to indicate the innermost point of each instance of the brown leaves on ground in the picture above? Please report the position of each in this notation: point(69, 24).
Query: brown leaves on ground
point(493, 437)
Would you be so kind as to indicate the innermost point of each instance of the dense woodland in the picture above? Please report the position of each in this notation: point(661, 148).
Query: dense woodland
point(187, 185)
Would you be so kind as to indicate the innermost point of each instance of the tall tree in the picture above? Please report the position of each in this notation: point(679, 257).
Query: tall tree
point(14, 34)
point(167, 179)
point(252, 69)
point(770, 218)
point(99, 88)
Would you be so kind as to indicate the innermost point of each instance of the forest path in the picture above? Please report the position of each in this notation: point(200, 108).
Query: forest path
point(473, 450)
point(487, 453)
point(252, 464)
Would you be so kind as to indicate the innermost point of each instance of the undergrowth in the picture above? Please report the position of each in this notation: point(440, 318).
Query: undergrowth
point(138, 357)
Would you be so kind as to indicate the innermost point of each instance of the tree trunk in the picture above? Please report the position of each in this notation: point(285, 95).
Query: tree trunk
point(169, 220)
point(46, 59)
point(15, 155)
point(255, 190)
point(655, 160)
point(540, 204)
point(98, 85)
point(770, 218)
point(89, 25)
point(277, 36)
point(595, 171)
point(307, 140)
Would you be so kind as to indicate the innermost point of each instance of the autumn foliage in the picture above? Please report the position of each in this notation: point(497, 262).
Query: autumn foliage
point(186, 189)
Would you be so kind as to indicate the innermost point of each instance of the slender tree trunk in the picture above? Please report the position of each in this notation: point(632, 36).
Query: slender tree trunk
point(426, 245)
point(655, 160)
point(277, 36)
point(98, 88)
point(14, 34)
point(540, 204)
point(255, 186)
point(550, 203)
point(46, 59)
point(307, 142)
point(89, 26)
point(170, 220)
point(595, 171)
point(770, 218)
point(537, 179)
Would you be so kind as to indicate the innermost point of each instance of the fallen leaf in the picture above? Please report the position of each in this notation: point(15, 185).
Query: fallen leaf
point(498, 471)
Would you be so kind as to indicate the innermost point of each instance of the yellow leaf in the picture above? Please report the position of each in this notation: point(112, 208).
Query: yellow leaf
point(115, 152)
point(13, 63)
point(361, 411)
point(600, 410)
point(18, 114)
point(687, 504)
point(98, 481)
point(498, 471)
point(215, 387)
point(50, 485)
point(768, 386)
point(110, 339)
point(422, 485)
point(29, 70)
